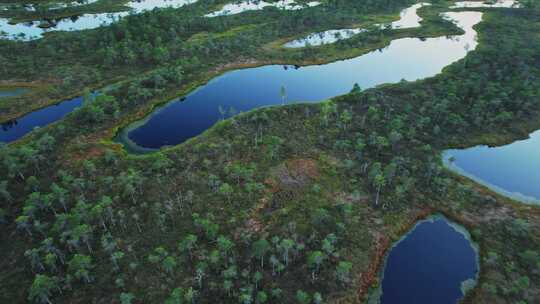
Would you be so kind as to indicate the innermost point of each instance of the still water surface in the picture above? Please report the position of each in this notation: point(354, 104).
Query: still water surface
point(243, 90)
point(408, 18)
point(429, 265)
point(512, 170)
point(31, 30)
point(17, 128)
point(255, 5)
point(246, 89)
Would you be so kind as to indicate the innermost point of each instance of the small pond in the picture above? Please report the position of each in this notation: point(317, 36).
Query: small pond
point(408, 19)
point(15, 129)
point(512, 170)
point(246, 89)
point(254, 5)
point(434, 263)
point(12, 92)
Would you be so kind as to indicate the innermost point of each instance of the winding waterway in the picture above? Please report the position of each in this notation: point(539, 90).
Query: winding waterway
point(434, 263)
point(243, 90)
point(407, 58)
point(512, 170)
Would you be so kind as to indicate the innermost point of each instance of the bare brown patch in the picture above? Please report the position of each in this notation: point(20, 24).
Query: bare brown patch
point(307, 167)
point(292, 174)
point(351, 198)
point(255, 223)
point(88, 151)
point(496, 214)
point(295, 173)
point(242, 63)
point(272, 185)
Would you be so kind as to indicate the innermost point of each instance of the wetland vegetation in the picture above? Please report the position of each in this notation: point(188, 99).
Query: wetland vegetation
point(293, 202)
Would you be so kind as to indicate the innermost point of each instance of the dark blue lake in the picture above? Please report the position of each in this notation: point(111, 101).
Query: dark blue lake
point(243, 90)
point(429, 265)
point(512, 170)
point(15, 129)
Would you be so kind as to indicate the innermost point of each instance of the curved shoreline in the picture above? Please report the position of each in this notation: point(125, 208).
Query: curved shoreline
point(447, 159)
point(467, 29)
point(351, 32)
point(487, 215)
point(512, 195)
point(222, 69)
point(375, 294)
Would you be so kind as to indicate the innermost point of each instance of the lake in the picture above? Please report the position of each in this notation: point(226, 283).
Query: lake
point(512, 170)
point(429, 265)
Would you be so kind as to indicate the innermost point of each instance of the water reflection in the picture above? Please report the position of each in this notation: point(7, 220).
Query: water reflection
point(253, 5)
point(512, 170)
point(408, 19)
point(9, 125)
point(242, 90)
point(35, 29)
